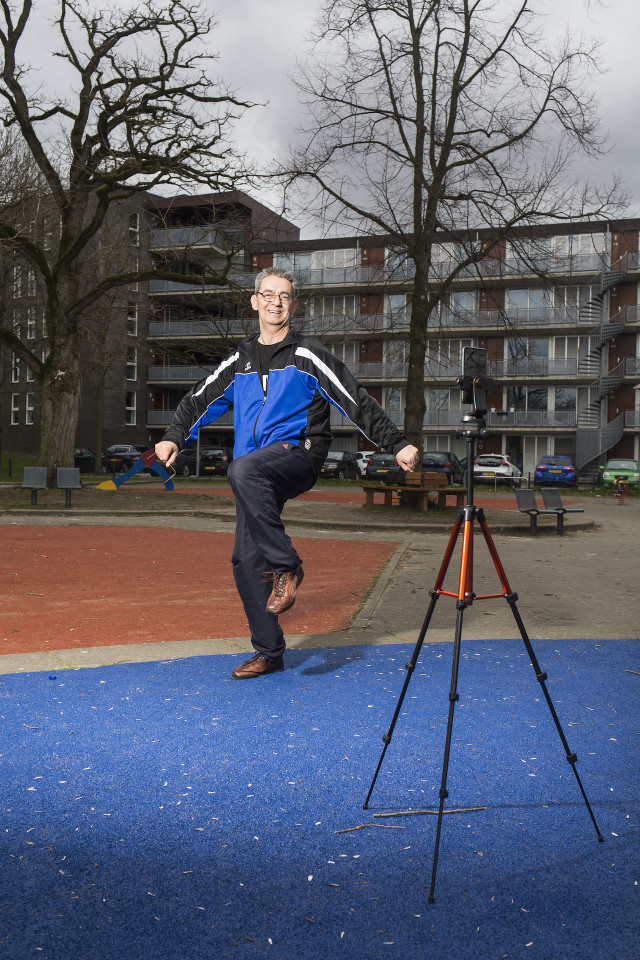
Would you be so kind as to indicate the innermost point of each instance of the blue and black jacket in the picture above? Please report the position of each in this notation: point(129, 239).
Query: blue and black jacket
point(290, 405)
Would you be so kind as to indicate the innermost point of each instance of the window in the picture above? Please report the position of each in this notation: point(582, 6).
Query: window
point(132, 363)
point(565, 398)
point(16, 325)
point(334, 259)
point(438, 400)
point(397, 309)
point(333, 306)
point(528, 355)
point(345, 352)
point(16, 281)
point(29, 409)
point(134, 266)
point(15, 409)
point(31, 323)
point(130, 408)
point(393, 403)
point(527, 398)
point(15, 368)
point(132, 319)
point(30, 375)
point(134, 229)
point(31, 282)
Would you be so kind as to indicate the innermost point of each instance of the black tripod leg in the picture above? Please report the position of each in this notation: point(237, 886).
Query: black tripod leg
point(542, 677)
point(410, 667)
point(453, 697)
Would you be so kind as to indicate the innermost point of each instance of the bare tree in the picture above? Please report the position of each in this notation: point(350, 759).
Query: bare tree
point(432, 120)
point(139, 110)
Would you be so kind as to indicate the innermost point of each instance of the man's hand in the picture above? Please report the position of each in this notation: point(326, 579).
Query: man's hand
point(166, 451)
point(408, 457)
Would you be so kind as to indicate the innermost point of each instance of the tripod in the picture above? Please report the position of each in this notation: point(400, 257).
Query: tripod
point(465, 596)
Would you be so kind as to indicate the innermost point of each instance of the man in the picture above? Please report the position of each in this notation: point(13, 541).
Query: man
point(280, 384)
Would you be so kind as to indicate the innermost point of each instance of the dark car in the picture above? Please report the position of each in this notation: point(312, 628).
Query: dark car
point(341, 465)
point(84, 459)
point(214, 461)
point(385, 467)
point(185, 464)
point(443, 462)
point(120, 456)
point(556, 469)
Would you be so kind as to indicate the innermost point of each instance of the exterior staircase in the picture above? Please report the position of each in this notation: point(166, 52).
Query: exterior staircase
point(593, 439)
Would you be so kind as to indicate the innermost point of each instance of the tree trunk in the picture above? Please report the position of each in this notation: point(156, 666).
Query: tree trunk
point(415, 403)
point(59, 408)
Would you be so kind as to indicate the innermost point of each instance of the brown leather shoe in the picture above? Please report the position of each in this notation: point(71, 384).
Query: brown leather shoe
point(283, 595)
point(257, 666)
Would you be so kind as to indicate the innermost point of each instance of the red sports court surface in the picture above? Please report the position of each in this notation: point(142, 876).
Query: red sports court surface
point(63, 587)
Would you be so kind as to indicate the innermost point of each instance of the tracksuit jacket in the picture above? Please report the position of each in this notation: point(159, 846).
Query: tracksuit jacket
point(288, 405)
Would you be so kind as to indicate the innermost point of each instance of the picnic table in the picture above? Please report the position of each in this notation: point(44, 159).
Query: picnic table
point(419, 491)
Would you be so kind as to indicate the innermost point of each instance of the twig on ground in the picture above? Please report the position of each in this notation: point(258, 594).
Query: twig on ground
point(408, 813)
point(360, 826)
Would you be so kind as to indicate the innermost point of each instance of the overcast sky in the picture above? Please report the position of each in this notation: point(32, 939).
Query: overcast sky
point(259, 42)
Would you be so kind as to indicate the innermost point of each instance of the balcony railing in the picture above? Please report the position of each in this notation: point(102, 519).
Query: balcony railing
point(187, 237)
point(532, 418)
point(389, 273)
point(632, 367)
point(162, 418)
point(533, 367)
point(198, 328)
point(184, 373)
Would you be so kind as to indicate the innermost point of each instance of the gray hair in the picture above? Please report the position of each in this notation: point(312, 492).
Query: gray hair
point(276, 272)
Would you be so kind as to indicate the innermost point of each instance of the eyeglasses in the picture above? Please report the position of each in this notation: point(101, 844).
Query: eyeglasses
point(270, 297)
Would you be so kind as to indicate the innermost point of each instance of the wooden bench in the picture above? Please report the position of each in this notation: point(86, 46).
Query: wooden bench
point(417, 492)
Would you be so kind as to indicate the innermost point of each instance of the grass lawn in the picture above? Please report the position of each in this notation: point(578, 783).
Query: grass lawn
point(12, 466)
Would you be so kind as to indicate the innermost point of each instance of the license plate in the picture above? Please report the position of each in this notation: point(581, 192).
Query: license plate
point(383, 471)
point(555, 471)
point(487, 474)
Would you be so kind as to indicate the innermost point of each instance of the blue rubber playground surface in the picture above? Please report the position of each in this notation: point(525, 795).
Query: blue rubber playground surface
point(161, 810)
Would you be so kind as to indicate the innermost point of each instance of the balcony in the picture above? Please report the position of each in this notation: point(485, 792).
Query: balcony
point(181, 237)
point(198, 328)
point(162, 418)
point(178, 374)
point(541, 419)
point(533, 367)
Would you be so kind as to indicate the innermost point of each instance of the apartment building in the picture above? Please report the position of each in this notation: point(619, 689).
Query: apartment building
point(557, 312)
point(559, 322)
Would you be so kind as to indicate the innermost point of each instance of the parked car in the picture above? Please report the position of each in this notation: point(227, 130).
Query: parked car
point(185, 464)
point(385, 467)
point(363, 459)
point(556, 469)
point(120, 456)
point(443, 462)
point(214, 461)
point(494, 467)
point(340, 464)
point(629, 469)
point(85, 459)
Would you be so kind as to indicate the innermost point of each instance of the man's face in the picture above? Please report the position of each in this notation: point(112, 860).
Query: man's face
point(274, 304)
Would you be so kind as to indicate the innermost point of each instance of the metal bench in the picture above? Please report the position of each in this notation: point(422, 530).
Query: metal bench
point(68, 479)
point(527, 504)
point(35, 478)
point(552, 501)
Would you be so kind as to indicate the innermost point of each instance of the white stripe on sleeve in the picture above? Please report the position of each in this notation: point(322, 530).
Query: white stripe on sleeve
point(305, 352)
point(212, 376)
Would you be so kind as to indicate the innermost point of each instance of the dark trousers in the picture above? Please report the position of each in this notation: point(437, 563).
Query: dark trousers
point(262, 482)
